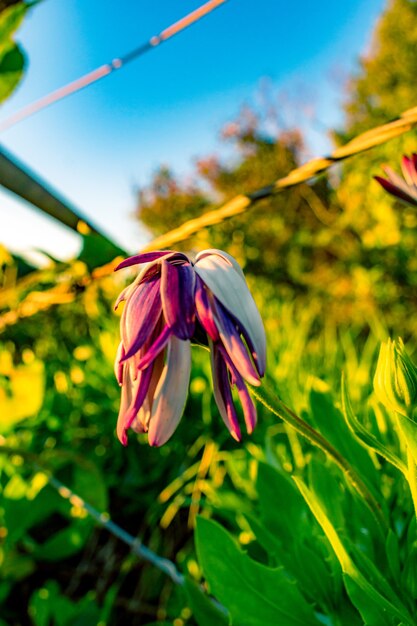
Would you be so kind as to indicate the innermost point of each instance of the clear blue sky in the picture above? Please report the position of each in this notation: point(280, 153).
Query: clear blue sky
point(168, 106)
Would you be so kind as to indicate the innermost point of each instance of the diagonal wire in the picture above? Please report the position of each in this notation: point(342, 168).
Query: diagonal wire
point(108, 68)
point(241, 203)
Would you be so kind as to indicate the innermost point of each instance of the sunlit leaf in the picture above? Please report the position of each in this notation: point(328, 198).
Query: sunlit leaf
point(254, 594)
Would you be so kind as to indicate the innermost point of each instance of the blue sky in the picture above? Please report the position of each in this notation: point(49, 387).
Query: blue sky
point(169, 106)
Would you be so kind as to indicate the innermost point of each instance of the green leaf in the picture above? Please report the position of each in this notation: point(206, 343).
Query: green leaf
point(281, 506)
point(12, 60)
point(10, 20)
point(365, 437)
point(12, 65)
point(331, 424)
point(255, 595)
point(204, 609)
point(368, 600)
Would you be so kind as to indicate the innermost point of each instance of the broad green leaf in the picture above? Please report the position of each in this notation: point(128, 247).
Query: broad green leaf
point(365, 437)
point(373, 613)
point(368, 599)
point(254, 595)
point(204, 609)
point(285, 532)
point(281, 506)
point(331, 424)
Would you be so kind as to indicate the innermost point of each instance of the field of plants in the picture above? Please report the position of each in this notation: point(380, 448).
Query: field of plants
point(311, 519)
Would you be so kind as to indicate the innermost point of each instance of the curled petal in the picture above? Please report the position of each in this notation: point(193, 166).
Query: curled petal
point(177, 291)
point(155, 348)
point(204, 310)
point(118, 365)
point(248, 406)
point(146, 257)
point(171, 392)
point(231, 290)
point(140, 316)
point(141, 423)
point(136, 393)
point(222, 392)
point(234, 345)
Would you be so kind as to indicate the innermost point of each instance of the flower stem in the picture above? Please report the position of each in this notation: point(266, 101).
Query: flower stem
point(274, 404)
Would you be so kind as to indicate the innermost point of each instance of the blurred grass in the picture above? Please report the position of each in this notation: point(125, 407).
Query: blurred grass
point(59, 401)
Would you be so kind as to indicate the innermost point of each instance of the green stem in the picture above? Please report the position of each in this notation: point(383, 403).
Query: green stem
point(268, 398)
point(412, 477)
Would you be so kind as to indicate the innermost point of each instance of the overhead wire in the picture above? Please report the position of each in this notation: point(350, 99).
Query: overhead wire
point(108, 68)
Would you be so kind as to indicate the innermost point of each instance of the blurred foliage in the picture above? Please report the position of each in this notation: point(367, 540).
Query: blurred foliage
point(340, 238)
point(332, 267)
point(12, 58)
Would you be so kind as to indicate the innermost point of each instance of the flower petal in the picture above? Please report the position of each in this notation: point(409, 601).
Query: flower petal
point(146, 257)
point(204, 310)
point(177, 291)
point(224, 255)
point(231, 290)
point(248, 406)
point(222, 392)
point(234, 345)
point(155, 348)
point(409, 170)
point(171, 392)
point(140, 316)
point(396, 191)
point(118, 365)
point(136, 393)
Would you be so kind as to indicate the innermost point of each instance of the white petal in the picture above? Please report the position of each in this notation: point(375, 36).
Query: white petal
point(171, 392)
point(230, 288)
point(223, 255)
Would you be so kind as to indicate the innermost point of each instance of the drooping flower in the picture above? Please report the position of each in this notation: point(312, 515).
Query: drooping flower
point(173, 302)
point(404, 189)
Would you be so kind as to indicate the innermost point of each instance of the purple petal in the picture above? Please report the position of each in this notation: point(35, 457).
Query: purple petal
point(177, 291)
point(204, 310)
point(118, 365)
point(155, 348)
point(222, 392)
point(409, 170)
point(234, 345)
point(171, 392)
point(138, 393)
point(396, 191)
point(146, 257)
point(398, 182)
point(140, 316)
point(249, 409)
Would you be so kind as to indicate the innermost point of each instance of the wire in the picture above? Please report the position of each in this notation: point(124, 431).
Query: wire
point(108, 68)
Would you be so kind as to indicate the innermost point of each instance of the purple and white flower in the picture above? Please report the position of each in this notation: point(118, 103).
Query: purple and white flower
point(173, 302)
point(404, 189)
